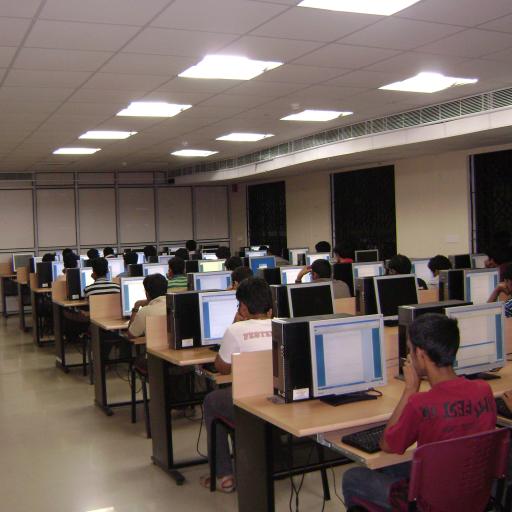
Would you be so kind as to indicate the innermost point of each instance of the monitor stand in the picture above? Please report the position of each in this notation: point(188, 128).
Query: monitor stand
point(482, 376)
point(347, 399)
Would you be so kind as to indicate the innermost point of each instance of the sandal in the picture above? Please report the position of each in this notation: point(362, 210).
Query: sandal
point(225, 484)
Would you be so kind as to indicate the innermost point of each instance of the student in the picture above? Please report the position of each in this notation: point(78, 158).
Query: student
point(130, 258)
point(183, 254)
point(280, 262)
point(101, 285)
point(233, 262)
point(65, 251)
point(428, 416)
point(48, 257)
point(252, 333)
point(155, 286)
point(323, 247)
point(342, 254)
point(498, 257)
point(191, 246)
point(92, 254)
point(238, 275)
point(176, 275)
point(70, 261)
point(223, 253)
point(401, 264)
point(436, 264)
point(150, 254)
point(504, 287)
point(321, 271)
point(108, 252)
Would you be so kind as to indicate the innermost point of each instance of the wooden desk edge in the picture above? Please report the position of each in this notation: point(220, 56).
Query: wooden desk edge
point(169, 355)
point(71, 303)
point(110, 324)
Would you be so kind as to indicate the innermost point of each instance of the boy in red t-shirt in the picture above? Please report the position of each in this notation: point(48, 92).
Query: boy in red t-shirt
point(453, 407)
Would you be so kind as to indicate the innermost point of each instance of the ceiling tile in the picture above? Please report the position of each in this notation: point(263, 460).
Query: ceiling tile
point(327, 93)
point(198, 85)
point(368, 79)
point(399, 34)
point(17, 9)
point(118, 12)
point(21, 93)
point(503, 56)
point(120, 81)
point(483, 70)
point(144, 64)
point(78, 36)
point(503, 24)
point(12, 30)
point(82, 108)
point(6, 55)
point(291, 73)
point(233, 100)
point(104, 95)
point(20, 107)
point(266, 89)
point(231, 16)
point(178, 42)
point(183, 98)
point(46, 78)
point(59, 60)
point(314, 24)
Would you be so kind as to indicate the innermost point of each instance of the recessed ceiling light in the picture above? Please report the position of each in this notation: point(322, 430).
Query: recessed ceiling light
point(428, 82)
point(99, 134)
point(152, 109)
point(382, 7)
point(245, 137)
point(229, 67)
point(316, 115)
point(193, 152)
point(76, 151)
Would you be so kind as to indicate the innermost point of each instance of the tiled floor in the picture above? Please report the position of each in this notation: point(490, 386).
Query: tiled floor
point(59, 453)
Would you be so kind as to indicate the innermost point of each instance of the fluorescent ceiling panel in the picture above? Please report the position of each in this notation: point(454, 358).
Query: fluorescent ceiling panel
point(428, 83)
point(102, 134)
point(381, 7)
point(193, 152)
point(316, 115)
point(245, 137)
point(76, 151)
point(152, 109)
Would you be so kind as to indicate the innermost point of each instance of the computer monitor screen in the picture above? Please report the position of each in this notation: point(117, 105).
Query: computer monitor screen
point(289, 275)
point(164, 259)
point(115, 266)
point(460, 260)
point(57, 268)
point(208, 256)
point(210, 265)
point(367, 269)
point(366, 255)
point(482, 339)
point(420, 269)
point(255, 254)
point(261, 262)
point(212, 280)
point(310, 258)
point(154, 268)
point(85, 278)
point(479, 284)
point(257, 247)
point(21, 260)
point(140, 257)
point(478, 260)
point(347, 355)
point(394, 291)
point(293, 254)
point(217, 311)
point(132, 290)
point(310, 299)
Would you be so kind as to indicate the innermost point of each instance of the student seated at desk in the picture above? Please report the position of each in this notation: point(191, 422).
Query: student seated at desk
point(498, 257)
point(504, 287)
point(101, 285)
point(130, 258)
point(453, 407)
point(191, 246)
point(233, 262)
point(321, 271)
point(108, 252)
point(150, 254)
point(223, 253)
point(401, 264)
point(323, 246)
point(48, 257)
point(92, 254)
point(252, 333)
point(70, 261)
point(155, 286)
point(238, 275)
point(183, 254)
point(436, 264)
point(342, 254)
point(280, 262)
point(176, 275)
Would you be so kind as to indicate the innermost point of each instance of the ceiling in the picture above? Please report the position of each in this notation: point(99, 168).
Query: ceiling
point(68, 66)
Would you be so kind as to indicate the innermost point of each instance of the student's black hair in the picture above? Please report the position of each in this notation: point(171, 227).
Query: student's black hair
point(233, 262)
point(323, 246)
point(100, 267)
point(155, 285)
point(49, 256)
point(400, 264)
point(182, 253)
point(107, 251)
point(322, 268)
point(92, 254)
point(130, 258)
point(507, 273)
point(150, 250)
point(65, 251)
point(499, 255)
point(439, 262)
point(70, 260)
point(438, 336)
point(343, 251)
point(191, 245)
point(240, 273)
point(223, 252)
point(177, 265)
point(254, 292)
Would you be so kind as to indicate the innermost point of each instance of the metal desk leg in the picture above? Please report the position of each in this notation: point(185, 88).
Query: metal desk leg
point(60, 349)
point(100, 384)
point(4, 301)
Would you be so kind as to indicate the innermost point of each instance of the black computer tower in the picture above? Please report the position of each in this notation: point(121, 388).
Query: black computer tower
point(183, 320)
point(135, 270)
point(343, 272)
point(301, 259)
point(280, 306)
point(44, 274)
point(291, 358)
point(451, 284)
point(73, 288)
point(460, 261)
point(270, 275)
point(88, 263)
point(152, 259)
point(245, 261)
point(32, 266)
point(191, 266)
point(366, 303)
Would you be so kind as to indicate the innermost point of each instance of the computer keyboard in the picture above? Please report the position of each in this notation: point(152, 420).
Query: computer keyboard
point(502, 408)
point(366, 440)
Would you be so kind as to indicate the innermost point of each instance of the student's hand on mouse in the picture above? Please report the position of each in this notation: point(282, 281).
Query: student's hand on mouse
point(507, 397)
point(411, 378)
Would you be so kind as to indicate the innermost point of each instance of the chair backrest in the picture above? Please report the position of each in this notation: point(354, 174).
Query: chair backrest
point(457, 474)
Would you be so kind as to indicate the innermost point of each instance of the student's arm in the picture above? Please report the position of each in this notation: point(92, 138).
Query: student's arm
point(507, 397)
point(302, 273)
point(501, 288)
point(221, 366)
point(136, 325)
point(228, 346)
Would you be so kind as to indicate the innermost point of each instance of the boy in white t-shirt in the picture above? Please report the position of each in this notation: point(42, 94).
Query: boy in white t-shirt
point(252, 333)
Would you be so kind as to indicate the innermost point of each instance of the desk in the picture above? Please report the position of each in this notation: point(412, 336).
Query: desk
point(3, 279)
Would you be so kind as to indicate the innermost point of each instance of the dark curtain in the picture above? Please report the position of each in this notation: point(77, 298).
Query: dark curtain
point(267, 215)
point(364, 210)
point(492, 192)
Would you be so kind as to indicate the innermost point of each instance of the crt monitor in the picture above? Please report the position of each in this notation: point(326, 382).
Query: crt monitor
point(394, 291)
point(310, 299)
point(210, 265)
point(211, 280)
point(482, 342)
point(347, 355)
point(154, 268)
point(21, 260)
point(164, 259)
point(478, 260)
point(255, 254)
point(115, 266)
point(420, 269)
point(479, 284)
point(375, 268)
point(289, 275)
point(366, 255)
point(460, 260)
point(261, 262)
point(57, 267)
point(293, 254)
point(217, 311)
point(132, 290)
point(310, 258)
point(85, 278)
